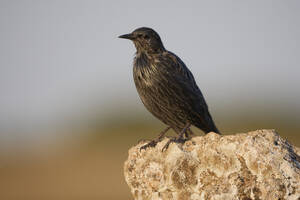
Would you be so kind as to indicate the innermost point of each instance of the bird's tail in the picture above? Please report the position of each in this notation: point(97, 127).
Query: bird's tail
point(214, 129)
point(210, 125)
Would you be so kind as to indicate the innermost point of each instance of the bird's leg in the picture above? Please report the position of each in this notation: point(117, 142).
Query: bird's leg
point(189, 133)
point(179, 138)
point(156, 140)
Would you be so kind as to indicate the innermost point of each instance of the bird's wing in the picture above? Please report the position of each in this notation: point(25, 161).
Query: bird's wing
point(184, 82)
point(185, 90)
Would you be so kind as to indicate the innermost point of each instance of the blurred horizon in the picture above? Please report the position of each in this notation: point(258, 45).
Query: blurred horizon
point(59, 59)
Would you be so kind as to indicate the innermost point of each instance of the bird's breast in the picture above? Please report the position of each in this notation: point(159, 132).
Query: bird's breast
point(145, 71)
point(144, 76)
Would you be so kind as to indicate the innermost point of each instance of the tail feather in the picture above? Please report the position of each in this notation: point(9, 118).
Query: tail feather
point(207, 125)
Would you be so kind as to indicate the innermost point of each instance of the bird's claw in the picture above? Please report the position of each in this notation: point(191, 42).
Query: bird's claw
point(180, 140)
point(149, 144)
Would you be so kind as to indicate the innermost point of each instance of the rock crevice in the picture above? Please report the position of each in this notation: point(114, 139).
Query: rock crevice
point(254, 165)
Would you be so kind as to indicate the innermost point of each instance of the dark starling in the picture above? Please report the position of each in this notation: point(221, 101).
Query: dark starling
point(167, 87)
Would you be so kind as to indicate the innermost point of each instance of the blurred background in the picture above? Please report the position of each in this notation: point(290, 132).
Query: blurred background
point(69, 107)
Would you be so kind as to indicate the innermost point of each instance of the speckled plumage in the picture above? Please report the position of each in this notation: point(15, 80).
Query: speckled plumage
point(166, 86)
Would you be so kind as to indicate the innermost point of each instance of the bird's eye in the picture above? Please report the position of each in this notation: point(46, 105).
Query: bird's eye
point(146, 37)
point(139, 35)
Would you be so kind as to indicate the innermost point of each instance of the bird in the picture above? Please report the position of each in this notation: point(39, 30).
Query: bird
point(167, 88)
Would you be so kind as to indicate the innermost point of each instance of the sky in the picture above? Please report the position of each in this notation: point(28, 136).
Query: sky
point(61, 60)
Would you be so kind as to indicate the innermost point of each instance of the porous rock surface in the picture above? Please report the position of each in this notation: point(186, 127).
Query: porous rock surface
point(254, 165)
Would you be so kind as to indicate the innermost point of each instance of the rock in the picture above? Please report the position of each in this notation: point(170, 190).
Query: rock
point(254, 165)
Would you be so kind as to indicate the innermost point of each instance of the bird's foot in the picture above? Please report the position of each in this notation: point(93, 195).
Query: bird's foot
point(155, 141)
point(149, 144)
point(178, 139)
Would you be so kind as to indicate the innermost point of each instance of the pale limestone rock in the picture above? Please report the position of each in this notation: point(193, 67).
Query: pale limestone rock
point(254, 165)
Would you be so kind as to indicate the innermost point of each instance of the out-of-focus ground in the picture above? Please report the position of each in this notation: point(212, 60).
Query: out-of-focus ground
point(90, 166)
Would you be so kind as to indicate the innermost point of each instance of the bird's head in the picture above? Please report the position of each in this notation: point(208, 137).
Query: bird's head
point(145, 40)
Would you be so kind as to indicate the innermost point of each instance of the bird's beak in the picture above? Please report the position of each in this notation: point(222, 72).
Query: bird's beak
point(127, 36)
